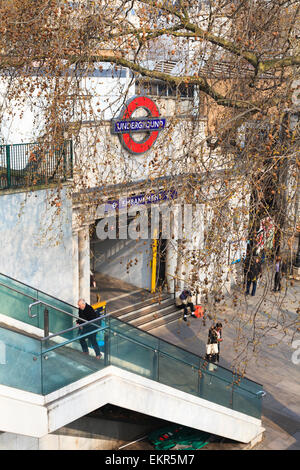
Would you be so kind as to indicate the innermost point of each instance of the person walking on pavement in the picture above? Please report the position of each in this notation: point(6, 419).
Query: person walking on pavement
point(213, 342)
point(246, 267)
point(212, 345)
point(92, 280)
point(253, 275)
point(219, 328)
point(279, 269)
point(87, 313)
point(184, 301)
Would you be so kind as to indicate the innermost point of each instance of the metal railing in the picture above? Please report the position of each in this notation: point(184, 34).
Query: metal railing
point(124, 346)
point(32, 164)
point(47, 334)
point(76, 317)
point(228, 388)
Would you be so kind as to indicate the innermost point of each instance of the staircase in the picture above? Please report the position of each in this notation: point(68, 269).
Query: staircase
point(150, 313)
point(47, 382)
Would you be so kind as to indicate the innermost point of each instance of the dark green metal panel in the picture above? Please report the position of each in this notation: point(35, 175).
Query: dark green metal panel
point(8, 166)
point(32, 164)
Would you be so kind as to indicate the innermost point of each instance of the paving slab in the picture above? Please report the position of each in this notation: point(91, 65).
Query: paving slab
point(272, 366)
point(117, 293)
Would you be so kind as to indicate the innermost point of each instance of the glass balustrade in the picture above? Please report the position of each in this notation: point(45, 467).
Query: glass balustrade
point(48, 364)
point(16, 298)
point(63, 364)
point(20, 361)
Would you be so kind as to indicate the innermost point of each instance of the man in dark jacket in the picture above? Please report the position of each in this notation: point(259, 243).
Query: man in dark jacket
point(246, 267)
point(253, 275)
point(87, 313)
point(280, 268)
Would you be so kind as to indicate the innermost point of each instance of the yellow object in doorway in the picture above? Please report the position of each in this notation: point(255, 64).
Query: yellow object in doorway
point(154, 261)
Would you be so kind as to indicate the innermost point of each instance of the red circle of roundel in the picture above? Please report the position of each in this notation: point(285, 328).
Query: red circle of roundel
point(127, 141)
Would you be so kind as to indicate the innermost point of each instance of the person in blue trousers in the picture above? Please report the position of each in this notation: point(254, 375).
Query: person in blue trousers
point(87, 313)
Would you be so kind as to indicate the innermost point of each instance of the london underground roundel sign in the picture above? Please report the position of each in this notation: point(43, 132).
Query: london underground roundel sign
point(127, 126)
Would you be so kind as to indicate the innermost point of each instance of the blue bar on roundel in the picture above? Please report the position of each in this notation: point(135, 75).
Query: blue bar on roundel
point(141, 125)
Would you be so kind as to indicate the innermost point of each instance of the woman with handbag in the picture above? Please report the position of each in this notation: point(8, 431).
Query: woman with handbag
point(212, 347)
point(219, 327)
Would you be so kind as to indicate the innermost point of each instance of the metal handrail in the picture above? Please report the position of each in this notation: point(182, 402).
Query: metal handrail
point(71, 340)
point(185, 350)
point(37, 302)
point(259, 394)
point(16, 290)
point(102, 317)
point(38, 290)
point(46, 322)
point(84, 323)
point(47, 305)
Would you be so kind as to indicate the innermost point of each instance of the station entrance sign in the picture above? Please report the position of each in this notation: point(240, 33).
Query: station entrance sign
point(126, 126)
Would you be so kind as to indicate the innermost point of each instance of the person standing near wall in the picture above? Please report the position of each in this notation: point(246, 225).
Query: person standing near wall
point(246, 268)
point(253, 275)
point(279, 269)
point(92, 280)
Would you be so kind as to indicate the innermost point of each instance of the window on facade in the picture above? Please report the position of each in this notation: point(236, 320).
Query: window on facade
point(154, 88)
point(171, 91)
point(162, 89)
point(185, 91)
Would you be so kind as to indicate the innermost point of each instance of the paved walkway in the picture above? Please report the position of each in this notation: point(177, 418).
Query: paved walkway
point(117, 293)
point(271, 365)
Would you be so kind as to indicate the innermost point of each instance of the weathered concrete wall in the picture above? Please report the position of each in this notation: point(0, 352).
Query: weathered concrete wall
point(86, 433)
point(36, 240)
point(113, 257)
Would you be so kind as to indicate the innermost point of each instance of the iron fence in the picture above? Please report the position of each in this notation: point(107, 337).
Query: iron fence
point(32, 164)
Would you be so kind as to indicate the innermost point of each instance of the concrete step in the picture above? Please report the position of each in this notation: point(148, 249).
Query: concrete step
point(147, 311)
point(134, 307)
point(153, 316)
point(165, 320)
point(171, 317)
point(150, 313)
